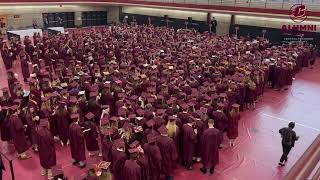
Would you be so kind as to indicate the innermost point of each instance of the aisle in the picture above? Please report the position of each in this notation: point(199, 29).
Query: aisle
point(257, 150)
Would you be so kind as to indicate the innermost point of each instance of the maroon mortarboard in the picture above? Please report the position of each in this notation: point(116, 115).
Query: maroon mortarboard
point(105, 106)
point(126, 126)
point(163, 130)
point(73, 99)
point(134, 144)
point(132, 116)
point(235, 105)
point(220, 105)
point(107, 132)
point(74, 116)
point(57, 170)
point(160, 97)
point(119, 143)
point(160, 111)
point(46, 79)
point(191, 104)
point(184, 106)
point(14, 107)
point(74, 84)
point(104, 121)
point(44, 122)
point(89, 115)
point(122, 112)
point(140, 112)
point(114, 118)
point(151, 138)
point(135, 150)
point(134, 97)
point(17, 101)
point(150, 123)
point(222, 95)
point(94, 94)
point(32, 80)
point(104, 165)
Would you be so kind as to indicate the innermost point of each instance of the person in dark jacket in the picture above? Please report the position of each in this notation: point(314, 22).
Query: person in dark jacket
point(288, 139)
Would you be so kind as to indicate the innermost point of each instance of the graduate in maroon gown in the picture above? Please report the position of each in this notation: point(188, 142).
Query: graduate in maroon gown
point(62, 119)
point(77, 144)
point(142, 161)
point(91, 135)
point(31, 120)
point(232, 131)
point(118, 158)
point(189, 141)
point(152, 152)
point(47, 151)
point(131, 170)
point(25, 66)
point(17, 132)
point(5, 124)
point(168, 153)
point(210, 148)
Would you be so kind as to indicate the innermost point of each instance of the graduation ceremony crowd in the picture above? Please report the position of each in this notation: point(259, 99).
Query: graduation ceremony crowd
point(144, 98)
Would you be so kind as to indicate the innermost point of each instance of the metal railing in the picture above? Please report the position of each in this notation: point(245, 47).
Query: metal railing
point(311, 5)
point(7, 159)
point(307, 163)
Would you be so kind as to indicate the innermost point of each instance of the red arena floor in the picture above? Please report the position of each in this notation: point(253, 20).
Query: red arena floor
point(258, 147)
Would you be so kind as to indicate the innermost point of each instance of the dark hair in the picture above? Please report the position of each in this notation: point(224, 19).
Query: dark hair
point(210, 121)
point(291, 125)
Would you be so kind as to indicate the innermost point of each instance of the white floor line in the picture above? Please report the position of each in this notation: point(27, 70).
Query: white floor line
point(282, 119)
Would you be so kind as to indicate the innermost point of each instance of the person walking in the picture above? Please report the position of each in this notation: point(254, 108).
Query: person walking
point(288, 140)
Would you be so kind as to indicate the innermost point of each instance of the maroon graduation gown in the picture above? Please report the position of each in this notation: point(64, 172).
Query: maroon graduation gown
point(25, 68)
point(189, 140)
point(91, 136)
point(63, 123)
point(17, 133)
point(118, 159)
point(4, 127)
point(210, 147)
point(31, 131)
point(153, 154)
point(47, 152)
point(77, 142)
point(232, 132)
point(131, 170)
point(144, 164)
point(168, 154)
point(221, 120)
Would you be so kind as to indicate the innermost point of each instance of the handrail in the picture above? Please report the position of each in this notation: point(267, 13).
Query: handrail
point(10, 163)
point(307, 162)
point(316, 176)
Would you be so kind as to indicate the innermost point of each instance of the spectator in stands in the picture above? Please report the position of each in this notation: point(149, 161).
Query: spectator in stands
point(214, 25)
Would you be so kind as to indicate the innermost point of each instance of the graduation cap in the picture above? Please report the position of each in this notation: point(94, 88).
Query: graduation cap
point(235, 105)
point(17, 101)
point(5, 89)
point(73, 99)
point(114, 118)
point(104, 121)
point(127, 126)
point(133, 151)
point(89, 115)
point(150, 123)
point(140, 112)
point(223, 95)
point(151, 138)
point(119, 143)
point(163, 130)
point(14, 107)
point(134, 144)
point(103, 165)
point(107, 132)
point(221, 105)
point(137, 129)
point(160, 111)
point(94, 94)
point(132, 116)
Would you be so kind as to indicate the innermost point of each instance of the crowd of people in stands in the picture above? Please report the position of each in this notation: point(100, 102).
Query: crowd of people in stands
point(143, 98)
